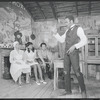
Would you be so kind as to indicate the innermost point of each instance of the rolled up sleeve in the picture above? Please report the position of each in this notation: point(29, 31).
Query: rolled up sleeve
point(83, 38)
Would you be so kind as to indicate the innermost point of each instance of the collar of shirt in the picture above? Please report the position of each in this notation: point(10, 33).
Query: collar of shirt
point(72, 26)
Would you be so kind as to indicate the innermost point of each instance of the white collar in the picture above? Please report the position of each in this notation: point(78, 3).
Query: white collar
point(72, 25)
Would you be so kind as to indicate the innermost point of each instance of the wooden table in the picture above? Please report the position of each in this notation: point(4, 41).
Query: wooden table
point(57, 64)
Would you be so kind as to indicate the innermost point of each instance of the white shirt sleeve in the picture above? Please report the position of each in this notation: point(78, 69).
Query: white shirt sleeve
point(11, 57)
point(61, 38)
point(83, 38)
point(12, 54)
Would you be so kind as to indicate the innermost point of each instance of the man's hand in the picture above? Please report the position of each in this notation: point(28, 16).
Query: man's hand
point(18, 62)
point(71, 49)
point(29, 62)
point(54, 31)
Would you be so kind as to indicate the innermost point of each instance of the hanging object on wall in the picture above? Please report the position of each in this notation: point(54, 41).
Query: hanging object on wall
point(32, 35)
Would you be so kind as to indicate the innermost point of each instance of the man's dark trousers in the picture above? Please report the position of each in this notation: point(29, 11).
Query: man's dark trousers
point(72, 59)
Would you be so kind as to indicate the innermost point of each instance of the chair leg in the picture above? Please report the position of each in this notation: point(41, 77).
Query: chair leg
point(27, 78)
point(19, 80)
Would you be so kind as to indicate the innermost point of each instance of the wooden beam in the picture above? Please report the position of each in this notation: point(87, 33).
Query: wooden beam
point(53, 9)
point(89, 7)
point(70, 11)
point(68, 6)
point(76, 8)
point(61, 7)
point(28, 11)
point(41, 10)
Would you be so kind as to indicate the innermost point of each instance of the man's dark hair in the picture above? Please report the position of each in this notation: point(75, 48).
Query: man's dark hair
point(43, 44)
point(70, 17)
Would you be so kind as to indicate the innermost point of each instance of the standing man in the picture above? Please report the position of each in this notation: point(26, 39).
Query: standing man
point(74, 39)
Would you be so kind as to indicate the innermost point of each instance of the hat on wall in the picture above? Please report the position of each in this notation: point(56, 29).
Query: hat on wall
point(18, 33)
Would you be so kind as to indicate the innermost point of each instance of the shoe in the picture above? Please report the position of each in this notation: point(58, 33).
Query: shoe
point(20, 83)
point(84, 95)
point(65, 93)
point(43, 82)
point(37, 83)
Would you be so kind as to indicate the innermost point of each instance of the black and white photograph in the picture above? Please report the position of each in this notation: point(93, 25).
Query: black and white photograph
point(50, 49)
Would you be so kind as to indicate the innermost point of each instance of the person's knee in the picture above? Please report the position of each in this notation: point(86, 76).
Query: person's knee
point(78, 73)
point(35, 67)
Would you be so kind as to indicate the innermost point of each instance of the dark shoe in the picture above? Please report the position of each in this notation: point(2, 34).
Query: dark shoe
point(84, 95)
point(66, 93)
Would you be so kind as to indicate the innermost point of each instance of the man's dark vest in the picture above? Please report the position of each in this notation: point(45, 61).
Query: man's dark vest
point(71, 37)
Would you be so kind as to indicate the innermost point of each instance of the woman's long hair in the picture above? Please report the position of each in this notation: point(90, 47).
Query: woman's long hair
point(27, 45)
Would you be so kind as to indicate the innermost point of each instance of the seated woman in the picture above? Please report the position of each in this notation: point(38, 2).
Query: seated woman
point(46, 60)
point(30, 55)
point(18, 65)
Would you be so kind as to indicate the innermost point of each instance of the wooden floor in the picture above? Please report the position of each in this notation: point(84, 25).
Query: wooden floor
point(9, 89)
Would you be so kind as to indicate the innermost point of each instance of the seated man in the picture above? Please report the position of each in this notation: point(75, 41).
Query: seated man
point(45, 60)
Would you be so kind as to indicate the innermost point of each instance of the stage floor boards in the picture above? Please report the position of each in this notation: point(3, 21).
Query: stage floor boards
point(9, 89)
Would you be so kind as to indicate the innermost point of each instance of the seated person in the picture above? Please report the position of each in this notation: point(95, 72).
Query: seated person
point(45, 60)
point(30, 56)
point(18, 65)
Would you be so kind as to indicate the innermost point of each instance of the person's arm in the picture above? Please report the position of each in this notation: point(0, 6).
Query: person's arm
point(49, 56)
point(81, 43)
point(25, 56)
point(12, 60)
point(40, 56)
point(60, 38)
point(11, 57)
point(83, 38)
point(35, 51)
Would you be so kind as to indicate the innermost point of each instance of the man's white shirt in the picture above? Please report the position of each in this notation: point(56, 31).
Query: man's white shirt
point(80, 34)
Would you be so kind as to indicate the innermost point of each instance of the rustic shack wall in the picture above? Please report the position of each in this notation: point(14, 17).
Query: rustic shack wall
point(42, 30)
point(13, 17)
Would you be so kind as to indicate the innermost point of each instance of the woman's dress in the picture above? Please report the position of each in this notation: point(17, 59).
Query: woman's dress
point(17, 69)
point(30, 57)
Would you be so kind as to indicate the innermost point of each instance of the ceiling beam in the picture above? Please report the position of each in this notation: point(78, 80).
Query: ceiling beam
point(76, 8)
point(53, 9)
point(28, 11)
point(70, 11)
point(41, 10)
point(68, 6)
point(89, 7)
